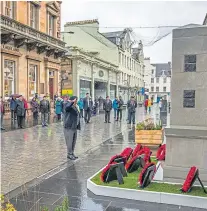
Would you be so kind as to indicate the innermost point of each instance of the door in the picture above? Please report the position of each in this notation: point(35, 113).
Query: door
point(51, 87)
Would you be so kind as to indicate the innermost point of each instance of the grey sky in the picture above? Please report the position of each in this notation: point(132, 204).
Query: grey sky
point(114, 14)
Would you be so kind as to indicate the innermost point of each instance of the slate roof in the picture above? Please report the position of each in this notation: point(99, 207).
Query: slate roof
point(162, 66)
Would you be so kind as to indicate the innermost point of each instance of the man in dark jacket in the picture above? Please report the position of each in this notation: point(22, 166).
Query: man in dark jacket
point(2, 112)
point(132, 105)
point(87, 106)
point(35, 110)
point(20, 111)
point(13, 104)
point(107, 106)
point(120, 108)
point(71, 125)
point(45, 110)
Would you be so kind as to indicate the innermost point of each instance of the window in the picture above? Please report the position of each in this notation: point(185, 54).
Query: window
point(152, 80)
point(164, 89)
point(164, 80)
point(9, 77)
point(152, 89)
point(152, 72)
point(157, 80)
point(33, 15)
point(51, 25)
point(157, 89)
point(32, 80)
point(10, 9)
point(190, 63)
point(189, 99)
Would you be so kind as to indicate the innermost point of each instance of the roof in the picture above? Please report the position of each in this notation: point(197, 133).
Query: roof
point(82, 22)
point(205, 20)
point(113, 34)
point(162, 68)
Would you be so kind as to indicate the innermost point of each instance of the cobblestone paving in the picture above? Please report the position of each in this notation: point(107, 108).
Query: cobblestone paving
point(72, 184)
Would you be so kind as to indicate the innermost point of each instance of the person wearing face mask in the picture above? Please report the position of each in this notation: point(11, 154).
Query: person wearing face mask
point(71, 125)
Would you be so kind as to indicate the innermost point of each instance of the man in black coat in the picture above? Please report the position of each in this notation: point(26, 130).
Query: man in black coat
point(87, 106)
point(120, 108)
point(20, 111)
point(132, 105)
point(45, 110)
point(107, 106)
point(71, 125)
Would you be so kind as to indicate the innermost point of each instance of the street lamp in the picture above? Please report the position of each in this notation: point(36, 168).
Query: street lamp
point(70, 32)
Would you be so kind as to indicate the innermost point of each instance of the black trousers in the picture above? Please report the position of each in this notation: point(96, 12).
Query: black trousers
point(119, 114)
point(81, 113)
point(87, 115)
point(13, 115)
point(107, 116)
point(20, 121)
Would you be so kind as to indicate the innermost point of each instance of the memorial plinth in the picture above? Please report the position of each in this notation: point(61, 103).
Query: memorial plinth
point(186, 138)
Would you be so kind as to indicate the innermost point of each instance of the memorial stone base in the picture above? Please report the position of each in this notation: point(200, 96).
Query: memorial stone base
point(186, 147)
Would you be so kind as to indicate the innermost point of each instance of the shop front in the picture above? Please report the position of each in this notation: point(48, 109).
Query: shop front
point(112, 91)
point(85, 87)
point(100, 89)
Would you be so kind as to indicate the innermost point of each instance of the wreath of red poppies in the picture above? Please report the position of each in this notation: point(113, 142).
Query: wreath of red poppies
point(161, 152)
point(188, 181)
point(136, 150)
point(128, 164)
point(104, 171)
point(113, 158)
point(144, 170)
point(127, 152)
point(146, 151)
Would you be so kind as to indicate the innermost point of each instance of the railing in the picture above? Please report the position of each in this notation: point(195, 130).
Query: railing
point(28, 31)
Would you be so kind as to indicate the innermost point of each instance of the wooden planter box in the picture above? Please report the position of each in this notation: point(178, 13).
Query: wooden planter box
point(148, 137)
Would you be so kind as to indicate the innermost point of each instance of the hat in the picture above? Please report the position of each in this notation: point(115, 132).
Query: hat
point(73, 97)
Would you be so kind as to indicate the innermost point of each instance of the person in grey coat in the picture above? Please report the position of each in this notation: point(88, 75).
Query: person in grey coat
point(87, 106)
point(132, 105)
point(71, 125)
point(107, 106)
point(45, 110)
point(20, 111)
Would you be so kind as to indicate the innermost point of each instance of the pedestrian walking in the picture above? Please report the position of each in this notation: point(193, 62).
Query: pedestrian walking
point(107, 106)
point(58, 108)
point(71, 125)
point(35, 110)
point(80, 104)
point(20, 111)
point(149, 105)
point(2, 112)
point(13, 104)
point(87, 106)
point(132, 105)
point(146, 104)
point(120, 108)
point(45, 110)
point(115, 107)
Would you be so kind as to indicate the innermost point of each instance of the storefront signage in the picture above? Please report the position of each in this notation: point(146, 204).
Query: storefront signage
point(10, 48)
point(68, 92)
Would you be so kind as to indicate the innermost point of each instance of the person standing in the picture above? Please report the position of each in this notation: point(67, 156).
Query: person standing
point(20, 111)
point(132, 105)
point(160, 105)
point(107, 106)
point(12, 108)
point(58, 108)
point(146, 104)
point(71, 125)
point(87, 106)
point(26, 109)
point(2, 112)
point(80, 104)
point(115, 107)
point(120, 108)
point(45, 110)
point(149, 105)
point(35, 110)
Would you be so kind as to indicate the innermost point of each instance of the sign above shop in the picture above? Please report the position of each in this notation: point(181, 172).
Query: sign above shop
point(10, 48)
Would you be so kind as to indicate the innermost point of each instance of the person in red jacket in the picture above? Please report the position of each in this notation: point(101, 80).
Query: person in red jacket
point(146, 104)
point(2, 112)
point(26, 108)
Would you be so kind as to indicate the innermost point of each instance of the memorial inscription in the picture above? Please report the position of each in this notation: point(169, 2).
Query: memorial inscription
point(189, 99)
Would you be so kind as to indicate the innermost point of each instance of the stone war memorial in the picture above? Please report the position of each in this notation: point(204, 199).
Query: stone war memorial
point(186, 137)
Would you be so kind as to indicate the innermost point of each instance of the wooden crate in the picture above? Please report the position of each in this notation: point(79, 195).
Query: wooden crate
point(148, 137)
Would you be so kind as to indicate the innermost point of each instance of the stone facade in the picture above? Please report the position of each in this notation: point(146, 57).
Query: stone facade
point(30, 48)
point(187, 136)
point(94, 59)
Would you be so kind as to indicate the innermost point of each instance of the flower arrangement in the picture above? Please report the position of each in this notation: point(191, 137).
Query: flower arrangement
point(148, 124)
point(6, 206)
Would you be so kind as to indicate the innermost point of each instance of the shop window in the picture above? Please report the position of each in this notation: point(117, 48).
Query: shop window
point(190, 63)
point(51, 25)
point(32, 80)
point(9, 77)
point(33, 16)
point(10, 7)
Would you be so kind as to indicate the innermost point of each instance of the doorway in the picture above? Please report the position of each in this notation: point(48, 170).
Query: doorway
point(51, 87)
